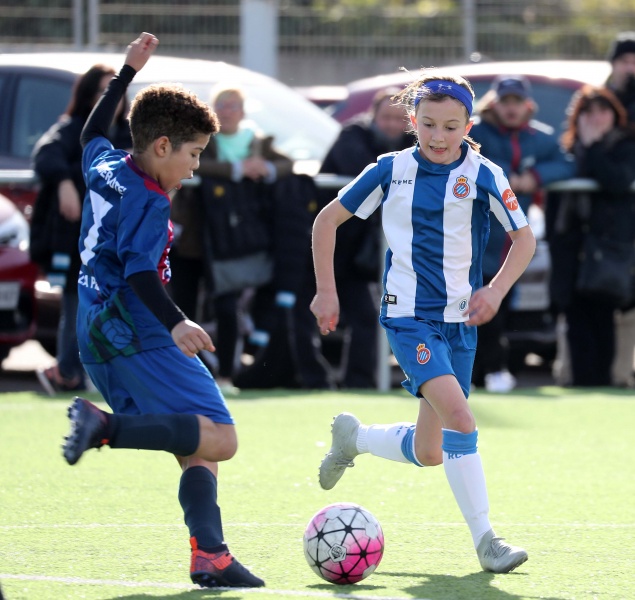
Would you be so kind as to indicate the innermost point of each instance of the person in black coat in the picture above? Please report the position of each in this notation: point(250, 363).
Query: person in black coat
point(57, 162)
point(357, 253)
point(604, 149)
point(622, 83)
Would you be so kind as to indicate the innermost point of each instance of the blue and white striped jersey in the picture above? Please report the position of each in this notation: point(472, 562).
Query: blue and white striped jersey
point(436, 222)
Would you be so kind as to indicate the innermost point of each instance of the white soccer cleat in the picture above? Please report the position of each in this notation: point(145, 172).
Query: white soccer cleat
point(343, 450)
point(496, 556)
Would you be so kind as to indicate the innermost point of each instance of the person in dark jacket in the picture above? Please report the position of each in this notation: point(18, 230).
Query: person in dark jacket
point(622, 83)
point(530, 154)
point(243, 155)
point(56, 218)
point(358, 250)
point(603, 145)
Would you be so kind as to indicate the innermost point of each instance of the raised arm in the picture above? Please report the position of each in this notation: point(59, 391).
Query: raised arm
point(102, 114)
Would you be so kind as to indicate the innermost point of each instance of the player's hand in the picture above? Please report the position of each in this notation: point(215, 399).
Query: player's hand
point(326, 309)
point(483, 305)
point(141, 50)
point(191, 338)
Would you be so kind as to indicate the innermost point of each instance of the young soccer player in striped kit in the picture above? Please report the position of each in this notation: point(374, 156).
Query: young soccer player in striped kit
point(436, 199)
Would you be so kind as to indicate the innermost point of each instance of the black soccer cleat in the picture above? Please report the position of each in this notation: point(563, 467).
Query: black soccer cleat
point(88, 429)
point(220, 569)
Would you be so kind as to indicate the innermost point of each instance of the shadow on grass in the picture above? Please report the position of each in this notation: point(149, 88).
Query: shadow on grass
point(475, 586)
point(225, 594)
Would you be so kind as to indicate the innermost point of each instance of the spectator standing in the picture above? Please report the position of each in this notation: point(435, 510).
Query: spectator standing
point(56, 220)
point(529, 153)
point(357, 252)
point(604, 150)
point(242, 155)
point(622, 82)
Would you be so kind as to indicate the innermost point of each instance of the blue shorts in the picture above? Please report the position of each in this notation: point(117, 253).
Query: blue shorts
point(426, 349)
point(159, 381)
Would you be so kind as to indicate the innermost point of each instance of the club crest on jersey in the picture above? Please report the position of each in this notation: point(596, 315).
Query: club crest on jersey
point(509, 198)
point(423, 354)
point(461, 188)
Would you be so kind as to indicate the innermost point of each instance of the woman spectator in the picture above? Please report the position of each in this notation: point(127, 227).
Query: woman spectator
point(57, 161)
point(603, 146)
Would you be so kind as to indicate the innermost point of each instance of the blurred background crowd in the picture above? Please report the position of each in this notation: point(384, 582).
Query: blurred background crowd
point(555, 109)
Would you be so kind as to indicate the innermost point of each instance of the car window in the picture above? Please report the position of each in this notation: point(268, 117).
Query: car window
point(301, 130)
point(39, 103)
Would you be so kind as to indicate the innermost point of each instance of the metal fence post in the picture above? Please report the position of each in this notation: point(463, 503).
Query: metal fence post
point(469, 29)
point(78, 23)
point(259, 36)
point(93, 24)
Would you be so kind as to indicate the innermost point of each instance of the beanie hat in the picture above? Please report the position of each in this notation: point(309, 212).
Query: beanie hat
point(622, 44)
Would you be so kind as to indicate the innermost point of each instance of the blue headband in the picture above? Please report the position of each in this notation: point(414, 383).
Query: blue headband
point(449, 88)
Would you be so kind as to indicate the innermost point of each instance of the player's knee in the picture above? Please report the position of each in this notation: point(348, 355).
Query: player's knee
point(218, 442)
point(226, 442)
point(462, 420)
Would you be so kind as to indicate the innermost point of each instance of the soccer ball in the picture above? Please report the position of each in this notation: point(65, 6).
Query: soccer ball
point(343, 543)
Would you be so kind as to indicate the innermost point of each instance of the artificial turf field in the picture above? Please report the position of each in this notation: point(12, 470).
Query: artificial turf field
point(559, 463)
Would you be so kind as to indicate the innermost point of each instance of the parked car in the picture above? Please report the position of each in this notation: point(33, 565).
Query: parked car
point(35, 90)
point(553, 83)
point(17, 279)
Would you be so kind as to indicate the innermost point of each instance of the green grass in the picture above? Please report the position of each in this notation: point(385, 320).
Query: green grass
point(559, 464)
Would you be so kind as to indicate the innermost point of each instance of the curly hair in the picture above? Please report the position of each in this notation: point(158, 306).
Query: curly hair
point(407, 96)
point(169, 110)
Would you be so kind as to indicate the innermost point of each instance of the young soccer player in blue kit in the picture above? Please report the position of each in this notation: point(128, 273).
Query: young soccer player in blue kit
point(137, 346)
point(435, 200)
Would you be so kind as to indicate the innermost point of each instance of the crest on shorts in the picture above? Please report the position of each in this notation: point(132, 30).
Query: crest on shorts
point(423, 354)
point(461, 188)
point(509, 198)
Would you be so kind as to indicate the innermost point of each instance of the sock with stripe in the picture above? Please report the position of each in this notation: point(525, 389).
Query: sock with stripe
point(464, 471)
point(393, 442)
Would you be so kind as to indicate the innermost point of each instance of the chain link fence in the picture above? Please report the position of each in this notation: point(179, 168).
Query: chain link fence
point(334, 39)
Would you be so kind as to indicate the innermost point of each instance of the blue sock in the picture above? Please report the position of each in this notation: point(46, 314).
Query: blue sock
point(177, 434)
point(197, 495)
point(408, 446)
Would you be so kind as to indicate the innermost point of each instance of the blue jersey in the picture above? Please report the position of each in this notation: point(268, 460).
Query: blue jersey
point(436, 222)
point(126, 229)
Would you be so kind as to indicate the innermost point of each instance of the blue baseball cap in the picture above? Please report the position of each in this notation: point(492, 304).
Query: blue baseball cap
point(511, 85)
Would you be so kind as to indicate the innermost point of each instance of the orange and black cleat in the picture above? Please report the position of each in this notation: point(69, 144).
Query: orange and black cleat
point(219, 569)
point(88, 429)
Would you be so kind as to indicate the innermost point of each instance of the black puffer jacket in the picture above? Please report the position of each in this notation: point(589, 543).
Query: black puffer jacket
point(609, 212)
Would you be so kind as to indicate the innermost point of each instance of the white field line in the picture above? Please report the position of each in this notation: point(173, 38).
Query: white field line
point(302, 525)
point(183, 586)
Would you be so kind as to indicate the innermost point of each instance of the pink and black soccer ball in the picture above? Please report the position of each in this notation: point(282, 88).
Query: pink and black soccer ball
point(343, 543)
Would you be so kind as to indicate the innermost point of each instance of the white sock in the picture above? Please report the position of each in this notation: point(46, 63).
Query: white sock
point(467, 481)
point(385, 440)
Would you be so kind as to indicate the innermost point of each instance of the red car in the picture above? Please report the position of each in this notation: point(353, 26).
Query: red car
point(17, 279)
point(553, 83)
